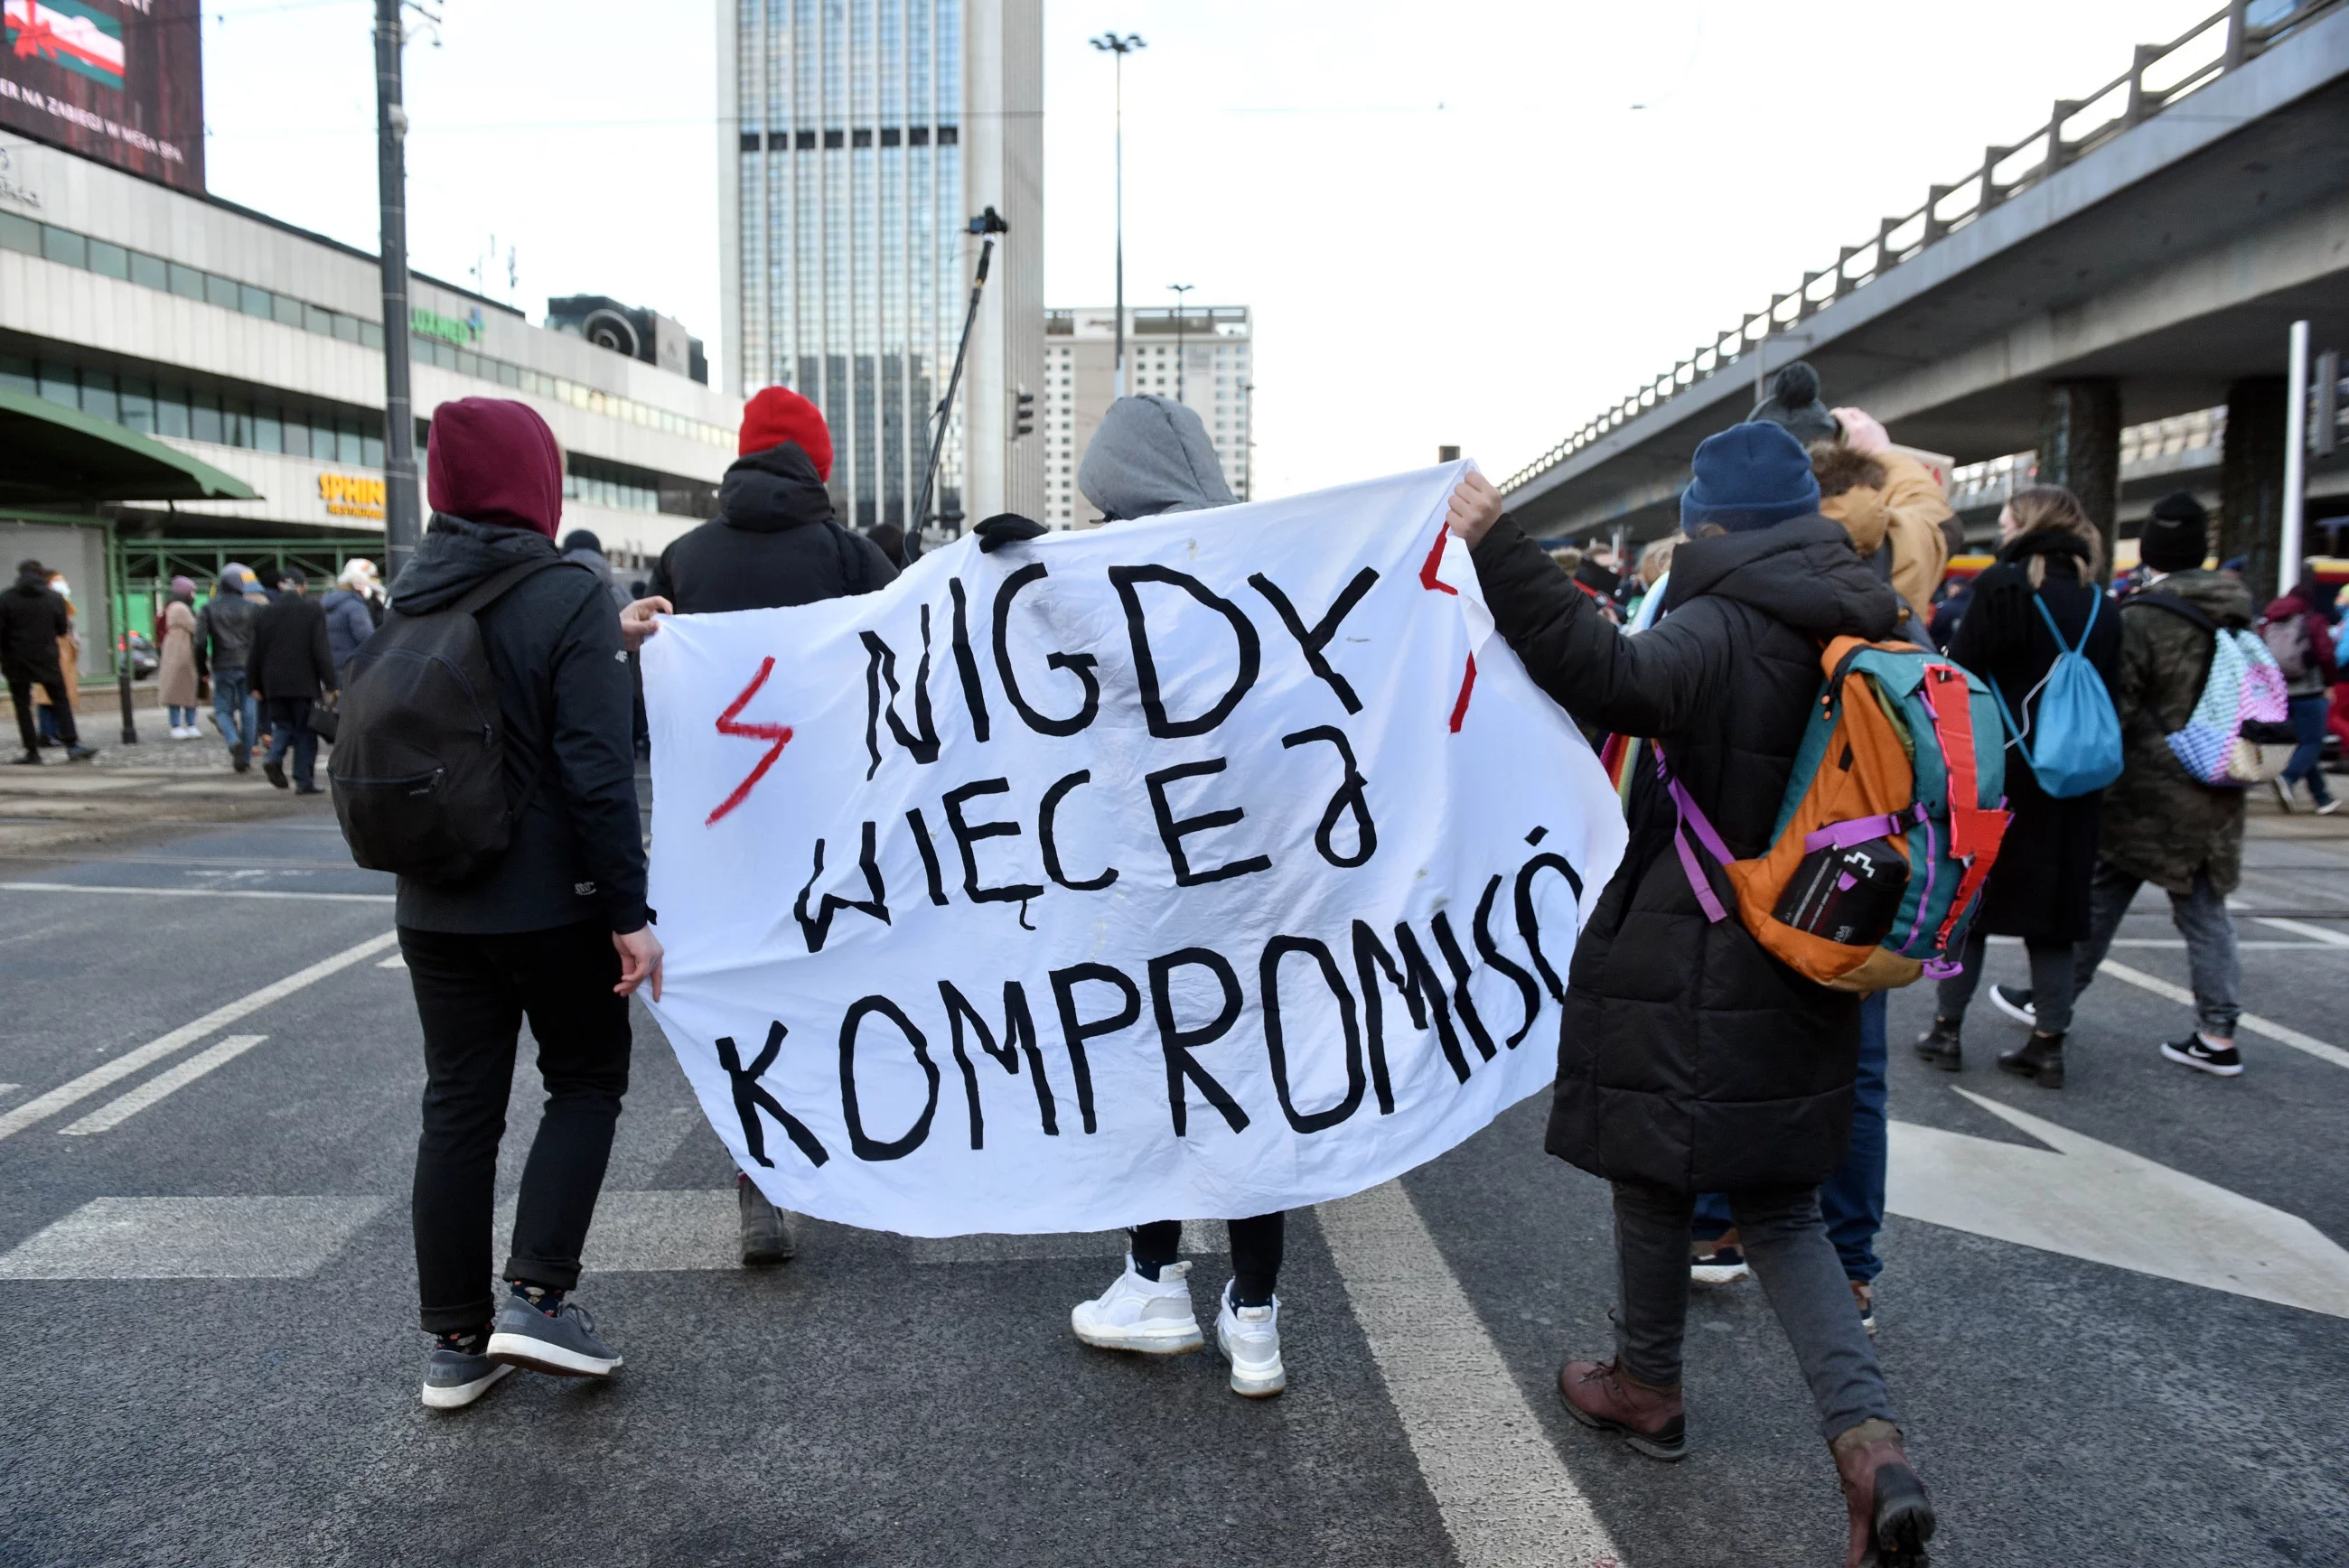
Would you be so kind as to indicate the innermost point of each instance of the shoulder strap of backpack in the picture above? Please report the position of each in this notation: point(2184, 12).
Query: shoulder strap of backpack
point(2176, 606)
point(493, 588)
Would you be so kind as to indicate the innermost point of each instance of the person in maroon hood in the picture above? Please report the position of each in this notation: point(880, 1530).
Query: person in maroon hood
point(2298, 628)
point(555, 930)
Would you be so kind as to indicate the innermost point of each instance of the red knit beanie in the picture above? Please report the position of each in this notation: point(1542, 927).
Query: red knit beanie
point(778, 415)
point(493, 460)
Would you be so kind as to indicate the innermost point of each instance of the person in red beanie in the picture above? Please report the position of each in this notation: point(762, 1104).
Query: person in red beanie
point(555, 930)
point(773, 543)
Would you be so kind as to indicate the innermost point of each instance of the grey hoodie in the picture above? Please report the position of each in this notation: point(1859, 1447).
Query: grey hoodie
point(1150, 457)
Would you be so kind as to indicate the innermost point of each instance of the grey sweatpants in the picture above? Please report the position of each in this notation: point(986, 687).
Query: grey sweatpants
point(1787, 1241)
point(2213, 962)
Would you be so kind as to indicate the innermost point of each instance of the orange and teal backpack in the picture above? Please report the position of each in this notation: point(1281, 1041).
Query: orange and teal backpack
point(1891, 822)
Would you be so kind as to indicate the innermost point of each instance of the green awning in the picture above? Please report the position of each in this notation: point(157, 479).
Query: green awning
point(50, 453)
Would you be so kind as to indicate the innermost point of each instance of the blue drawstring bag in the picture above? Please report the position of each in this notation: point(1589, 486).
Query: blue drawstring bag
point(2078, 750)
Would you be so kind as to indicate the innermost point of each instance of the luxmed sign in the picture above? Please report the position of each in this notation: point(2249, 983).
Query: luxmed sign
point(118, 80)
point(464, 331)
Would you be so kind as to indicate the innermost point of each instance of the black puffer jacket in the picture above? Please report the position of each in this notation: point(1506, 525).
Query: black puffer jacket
point(32, 618)
point(1688, 1058)
point(773, 543)
point(568, 705)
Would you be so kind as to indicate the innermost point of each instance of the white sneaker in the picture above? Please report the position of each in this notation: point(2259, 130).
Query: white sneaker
point(1153, 1316)
point(1249, 1337)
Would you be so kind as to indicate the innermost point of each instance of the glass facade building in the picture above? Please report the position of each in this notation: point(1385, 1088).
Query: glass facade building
point(851, 255)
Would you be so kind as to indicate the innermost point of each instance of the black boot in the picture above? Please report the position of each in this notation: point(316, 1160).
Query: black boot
point(1940, 1045)
point(2041, 1058)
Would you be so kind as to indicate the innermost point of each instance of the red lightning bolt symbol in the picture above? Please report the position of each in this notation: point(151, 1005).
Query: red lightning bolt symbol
point(1429, 581)
point(780, 734)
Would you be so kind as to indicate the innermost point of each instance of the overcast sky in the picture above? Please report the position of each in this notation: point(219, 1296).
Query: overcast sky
point(1452, 222)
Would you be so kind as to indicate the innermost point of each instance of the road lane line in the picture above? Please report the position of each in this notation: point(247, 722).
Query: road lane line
point(114, 1113)
point(191, 1238)
point(200, 892)
point(2274, 1031)
point(107, 1074)
point(1506, 1499)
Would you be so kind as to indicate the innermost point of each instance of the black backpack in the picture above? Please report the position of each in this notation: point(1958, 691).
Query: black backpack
point(418, 768)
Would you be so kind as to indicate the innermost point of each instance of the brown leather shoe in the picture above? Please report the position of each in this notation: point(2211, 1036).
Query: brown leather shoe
point(1891, 1517)
point(1606, 1398)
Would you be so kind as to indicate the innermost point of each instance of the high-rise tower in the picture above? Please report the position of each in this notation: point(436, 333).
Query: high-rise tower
point(858, 138)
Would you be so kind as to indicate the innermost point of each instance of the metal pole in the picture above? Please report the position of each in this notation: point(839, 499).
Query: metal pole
point(1123, 384)
point(402, 520)
point(2296, 460)
point(1182, 292)
point(945, 408)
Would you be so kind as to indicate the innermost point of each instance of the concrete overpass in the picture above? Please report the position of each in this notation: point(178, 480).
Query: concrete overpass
point(2139, 257)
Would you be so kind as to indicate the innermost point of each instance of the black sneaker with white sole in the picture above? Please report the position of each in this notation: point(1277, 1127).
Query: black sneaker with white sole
point(454, 1378)
point(562, 1343)
point(2198, 1053)
point(2015, 1002)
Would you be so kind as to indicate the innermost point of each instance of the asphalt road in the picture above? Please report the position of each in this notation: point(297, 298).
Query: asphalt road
point(206, 1282)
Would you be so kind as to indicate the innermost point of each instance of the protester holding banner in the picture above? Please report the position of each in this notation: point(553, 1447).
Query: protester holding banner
point(1152, 456)
point(774, 542)
point(1690, 1060)
point(555, 930)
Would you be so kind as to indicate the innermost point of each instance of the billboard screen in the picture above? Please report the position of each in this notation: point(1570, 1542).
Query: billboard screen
point(119, 80)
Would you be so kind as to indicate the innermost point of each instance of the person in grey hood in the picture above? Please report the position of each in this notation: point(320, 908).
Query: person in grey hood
point(224, 643)
point(1151, 457)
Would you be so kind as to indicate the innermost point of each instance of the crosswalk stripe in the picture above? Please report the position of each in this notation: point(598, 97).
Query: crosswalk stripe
point(2279, 1033)
point(115, 1112)
point(1506, 1499)
point(198, 892)
point(108, 1074)
point(191, 1238)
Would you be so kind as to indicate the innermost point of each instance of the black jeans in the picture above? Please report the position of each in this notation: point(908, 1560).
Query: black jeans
point(20, 693)
point(472, 995)
point(2051, 968)
point(289, 725)
point(1256, 1247)
point(1783, 1237)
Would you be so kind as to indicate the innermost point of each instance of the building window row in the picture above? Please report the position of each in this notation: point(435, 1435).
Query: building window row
point(158, 404)
point(66, 248)
point(863, 136)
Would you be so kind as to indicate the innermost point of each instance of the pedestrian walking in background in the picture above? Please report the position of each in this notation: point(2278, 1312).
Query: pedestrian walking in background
point(554, 929)
point(36, 624)
point(890, 539)
point(349, 623)
point(2161, 824)
point(1152, 456)
point(1690, 1059)
point(773, 543)
point(2297, 630)
point(581, 546)
point(293, 667)
point(58, 711)
point(2050, 560)
point(223, 644)
point(175, 675)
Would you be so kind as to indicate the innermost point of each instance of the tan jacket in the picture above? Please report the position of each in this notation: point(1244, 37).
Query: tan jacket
point(1909, 510)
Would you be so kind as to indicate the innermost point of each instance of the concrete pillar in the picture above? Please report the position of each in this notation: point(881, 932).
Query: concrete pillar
point(2080, 448)
point(2250, 479)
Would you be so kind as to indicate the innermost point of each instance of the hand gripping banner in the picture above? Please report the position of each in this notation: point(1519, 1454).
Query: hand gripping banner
point(1192, 868)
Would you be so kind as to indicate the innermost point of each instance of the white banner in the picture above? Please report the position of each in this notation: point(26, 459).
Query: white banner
point(1188, 869)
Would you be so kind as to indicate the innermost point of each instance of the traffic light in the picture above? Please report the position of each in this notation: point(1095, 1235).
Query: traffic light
point(1023, 418)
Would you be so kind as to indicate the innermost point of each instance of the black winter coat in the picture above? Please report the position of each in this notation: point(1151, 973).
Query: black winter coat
point(1688, 1058)
point(569, 709)
point(2039, 888)
point(33, 616)
point(773, 543)
point(290, 659)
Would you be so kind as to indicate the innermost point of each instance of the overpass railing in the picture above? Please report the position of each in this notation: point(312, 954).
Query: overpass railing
point(2160, 76)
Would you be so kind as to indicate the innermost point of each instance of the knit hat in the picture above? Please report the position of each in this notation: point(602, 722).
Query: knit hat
point(2176, 537)
point(1748, 477)
point(1793, 403)
point(778, 415)
point(583, 539)
point(492, 461)
point(183, 588)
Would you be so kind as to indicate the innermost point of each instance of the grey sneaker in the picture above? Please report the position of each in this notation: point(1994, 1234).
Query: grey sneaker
point(766, 1233)
point(453, 1379)
point(564, 1345)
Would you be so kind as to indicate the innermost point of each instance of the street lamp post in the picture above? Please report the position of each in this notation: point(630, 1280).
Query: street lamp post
point(1112, 43)
point(402, 520)
point(1182, 323)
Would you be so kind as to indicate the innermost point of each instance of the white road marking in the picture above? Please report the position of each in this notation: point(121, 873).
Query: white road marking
point(200, 892)
point(2279, 1033)
point(396, 960)
point(2316, 933)
point(191, 1238)
point(114, 1113)
point(1506, 1499)
point(108, 1074)
point(10, 1087)
point(2089, 1200)
point(654, 1233)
